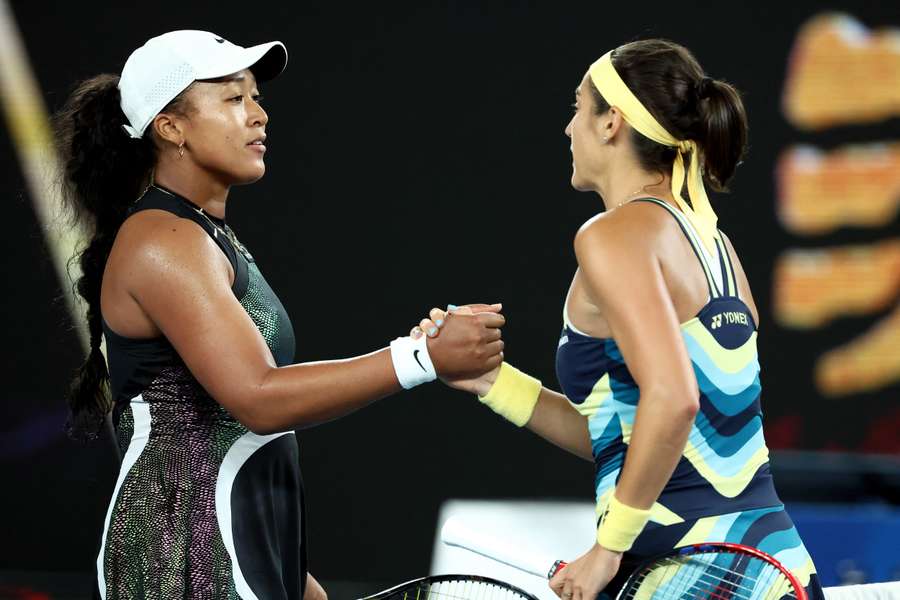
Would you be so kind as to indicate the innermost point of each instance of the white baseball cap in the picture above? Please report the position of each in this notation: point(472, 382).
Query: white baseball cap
point(166, 65)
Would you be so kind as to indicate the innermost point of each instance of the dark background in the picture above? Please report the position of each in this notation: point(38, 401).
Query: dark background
point(416, 157)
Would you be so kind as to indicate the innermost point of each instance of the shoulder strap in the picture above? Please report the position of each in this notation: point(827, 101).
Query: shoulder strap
point(156, 199)
point(728, 274)
point(715, 288)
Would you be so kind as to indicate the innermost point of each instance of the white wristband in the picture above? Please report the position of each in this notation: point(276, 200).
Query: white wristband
point(411, 361)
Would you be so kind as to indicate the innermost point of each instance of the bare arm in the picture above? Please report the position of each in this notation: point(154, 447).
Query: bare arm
point(553, 418)
point(182, 286)
point(624, 277)
point(557, 421)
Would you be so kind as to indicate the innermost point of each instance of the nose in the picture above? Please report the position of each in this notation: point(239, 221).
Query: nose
point(569, 128)
point(258, 116)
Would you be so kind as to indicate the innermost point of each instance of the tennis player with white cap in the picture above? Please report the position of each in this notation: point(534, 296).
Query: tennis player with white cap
point(200, 383)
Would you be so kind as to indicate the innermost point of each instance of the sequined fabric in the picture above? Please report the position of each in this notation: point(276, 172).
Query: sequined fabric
point(163, 539)
point(258, 302)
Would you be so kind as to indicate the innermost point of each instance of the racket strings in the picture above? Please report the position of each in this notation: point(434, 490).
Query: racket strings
point(704, 576)
point(680, 564)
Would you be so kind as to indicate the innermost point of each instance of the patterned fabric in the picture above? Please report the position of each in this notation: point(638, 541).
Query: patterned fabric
point(724, 469)
point(163, 538)
point(202, 508)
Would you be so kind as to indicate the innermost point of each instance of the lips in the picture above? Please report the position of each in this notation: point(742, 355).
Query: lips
point(258, 144)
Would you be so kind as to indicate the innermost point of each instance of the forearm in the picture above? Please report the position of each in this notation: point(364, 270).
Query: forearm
point(661, 428)
point(306, 394)
point(555, 420)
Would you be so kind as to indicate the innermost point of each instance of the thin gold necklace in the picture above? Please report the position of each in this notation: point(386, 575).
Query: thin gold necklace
point(629, 198)
point(226, 231)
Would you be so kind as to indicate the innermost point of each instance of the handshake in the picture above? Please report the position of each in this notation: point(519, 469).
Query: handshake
point(461, 345)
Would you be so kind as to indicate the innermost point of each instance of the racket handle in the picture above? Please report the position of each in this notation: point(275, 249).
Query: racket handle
point(556, 568)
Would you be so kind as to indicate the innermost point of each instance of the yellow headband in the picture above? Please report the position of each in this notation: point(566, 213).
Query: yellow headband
point(617, 94)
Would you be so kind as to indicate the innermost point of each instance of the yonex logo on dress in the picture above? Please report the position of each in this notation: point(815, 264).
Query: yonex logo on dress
point(730, 318)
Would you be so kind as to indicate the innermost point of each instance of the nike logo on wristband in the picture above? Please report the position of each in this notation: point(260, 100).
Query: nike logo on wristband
point(416, 356)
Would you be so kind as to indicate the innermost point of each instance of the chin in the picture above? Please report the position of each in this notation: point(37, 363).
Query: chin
point(579, 184)
point(252, 176)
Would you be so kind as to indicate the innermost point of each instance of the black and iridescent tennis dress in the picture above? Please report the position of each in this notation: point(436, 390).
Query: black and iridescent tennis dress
point(202, 508)
point(721, 490)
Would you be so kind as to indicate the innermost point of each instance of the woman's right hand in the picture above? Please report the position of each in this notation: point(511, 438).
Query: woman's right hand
point(433, 326)
point(469, 344)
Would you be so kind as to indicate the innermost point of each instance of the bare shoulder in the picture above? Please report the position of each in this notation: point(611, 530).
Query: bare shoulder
point(156, 242)
point(636, 227)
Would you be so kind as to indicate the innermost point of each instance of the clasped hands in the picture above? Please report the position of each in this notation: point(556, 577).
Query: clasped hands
point(465, 344)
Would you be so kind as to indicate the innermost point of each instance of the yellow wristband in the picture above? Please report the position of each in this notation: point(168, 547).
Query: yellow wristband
point(620, 525)
point(513, 395)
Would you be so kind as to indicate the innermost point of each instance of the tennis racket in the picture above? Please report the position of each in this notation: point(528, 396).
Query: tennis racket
point(453, 587)
point(713, 571)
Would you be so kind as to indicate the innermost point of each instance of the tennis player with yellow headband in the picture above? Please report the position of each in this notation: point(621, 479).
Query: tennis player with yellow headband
point(657, 356)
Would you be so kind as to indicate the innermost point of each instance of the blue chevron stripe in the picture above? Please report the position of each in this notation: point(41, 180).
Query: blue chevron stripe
point(737, 533)
point(742, 445)
point(728, 404)
point(728, 426)
point(729, 383)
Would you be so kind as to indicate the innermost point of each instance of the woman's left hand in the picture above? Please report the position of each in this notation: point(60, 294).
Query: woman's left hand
point(586, 577)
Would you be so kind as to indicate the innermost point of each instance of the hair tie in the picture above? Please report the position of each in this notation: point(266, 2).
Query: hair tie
point(704, 88)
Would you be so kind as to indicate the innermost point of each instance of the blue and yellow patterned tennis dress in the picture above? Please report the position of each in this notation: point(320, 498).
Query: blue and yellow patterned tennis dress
point(721, 489)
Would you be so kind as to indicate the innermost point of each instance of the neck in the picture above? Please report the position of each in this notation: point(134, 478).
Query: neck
point(199, 187)
point(624, 182)
point(622, 190)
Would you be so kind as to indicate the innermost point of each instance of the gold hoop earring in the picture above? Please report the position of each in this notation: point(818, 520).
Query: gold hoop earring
point(181, 150)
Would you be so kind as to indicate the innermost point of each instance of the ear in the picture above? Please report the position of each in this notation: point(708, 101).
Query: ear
point(612, 123)
point(168, 128)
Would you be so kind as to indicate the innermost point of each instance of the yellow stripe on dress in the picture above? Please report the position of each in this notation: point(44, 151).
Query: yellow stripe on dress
point(728, 486)
point(600, 392)
point(699, 533)
point(727, 360)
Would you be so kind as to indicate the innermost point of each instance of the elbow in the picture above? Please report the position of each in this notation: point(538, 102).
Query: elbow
point(685, 405)
point(251, 410)
point(251, 418)
point(260, 424)
point(681, 405)
point(689, 408)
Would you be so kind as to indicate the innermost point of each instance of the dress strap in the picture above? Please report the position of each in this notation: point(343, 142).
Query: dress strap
point(157, 199)
point(728, 274)
point(712, 267)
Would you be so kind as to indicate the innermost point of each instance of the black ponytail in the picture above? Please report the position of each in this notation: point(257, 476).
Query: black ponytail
point(724, 130)
point(103, 172)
